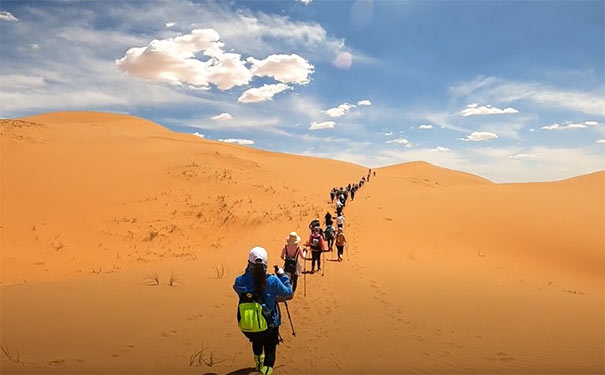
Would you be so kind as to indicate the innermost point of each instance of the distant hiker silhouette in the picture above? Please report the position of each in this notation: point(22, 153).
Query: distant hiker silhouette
point(258, 313)
point(338, 207)
point(329, 235)
point(291, 253)
point(316, 243)
point(340, 243)
point(332, 194)
point(340, 220)
point(328, 218)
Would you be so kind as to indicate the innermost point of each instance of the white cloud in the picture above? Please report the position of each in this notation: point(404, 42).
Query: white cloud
point(523, 156)
point(479, 136)
point(18, 81)
point(263, 93)
point(343, 60)
point(284, 68)
point(339, 111)
point(441, 149)
point(238, 141)
point(223, 117)
point(364, 102)
point(306, 2)
point(481, 110)
point(7, 16)
point(570, 125)
point(322, 125)
point(600, 140)
point(425, 127)
point(532, 130)
point(198, 134)
point(491, 88)
point(170, 24)
point(173, 61)
point(401, 141)
point(388, 133)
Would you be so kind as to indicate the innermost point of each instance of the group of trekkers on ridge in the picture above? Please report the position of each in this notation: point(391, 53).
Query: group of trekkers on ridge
point(259, 292)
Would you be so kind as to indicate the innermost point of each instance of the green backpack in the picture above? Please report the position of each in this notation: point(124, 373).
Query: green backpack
point(252, 315)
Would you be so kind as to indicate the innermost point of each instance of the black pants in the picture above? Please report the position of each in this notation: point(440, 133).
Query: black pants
point(293, 281)
point(330, 243)
point(340, 249)
point(265, 341)
point(316, 256)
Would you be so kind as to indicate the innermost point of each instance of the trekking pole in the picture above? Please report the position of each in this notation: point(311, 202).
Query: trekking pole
point(305, 276)
point(323, 255)
point(289, 318)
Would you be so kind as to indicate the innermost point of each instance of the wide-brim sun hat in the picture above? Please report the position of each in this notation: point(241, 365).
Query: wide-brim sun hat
point(258, 255)
point(293, 238)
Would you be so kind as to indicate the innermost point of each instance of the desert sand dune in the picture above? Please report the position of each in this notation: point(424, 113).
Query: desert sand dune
point(445, 272)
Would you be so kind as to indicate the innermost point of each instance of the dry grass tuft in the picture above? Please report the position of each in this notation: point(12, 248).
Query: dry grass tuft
point(153, 279)
point(220, 271)
point(173, 279)
point(200, 357)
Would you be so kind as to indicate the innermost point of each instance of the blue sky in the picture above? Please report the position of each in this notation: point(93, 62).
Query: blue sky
point(513, 91)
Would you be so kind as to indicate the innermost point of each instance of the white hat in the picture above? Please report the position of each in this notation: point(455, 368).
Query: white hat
point(256, 254)
point(293, 238)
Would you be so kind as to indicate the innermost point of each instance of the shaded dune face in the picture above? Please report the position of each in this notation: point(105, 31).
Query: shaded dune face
point(120, 241)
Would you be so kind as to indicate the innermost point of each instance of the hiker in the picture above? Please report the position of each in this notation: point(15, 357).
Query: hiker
point(340, 242)
point(290, 254)
point(328, 218)
point(316, 242)
point(349, 187)
point(374, 173)
point(329, 235)
point(338, 207)
point(315, 223)
point(258, 313)
point(340, 220)
point(332, 194)
point(353, 190)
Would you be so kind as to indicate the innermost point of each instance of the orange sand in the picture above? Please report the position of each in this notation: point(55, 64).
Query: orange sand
point(445, 273)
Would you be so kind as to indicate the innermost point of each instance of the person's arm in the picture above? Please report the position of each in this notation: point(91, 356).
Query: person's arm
point(283, 253)
point(284, 289)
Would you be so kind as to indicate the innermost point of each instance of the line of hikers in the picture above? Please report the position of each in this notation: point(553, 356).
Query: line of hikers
point(258, 314)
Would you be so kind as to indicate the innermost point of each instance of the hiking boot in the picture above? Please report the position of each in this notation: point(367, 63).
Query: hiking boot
point(258, 359)
point(266, 370)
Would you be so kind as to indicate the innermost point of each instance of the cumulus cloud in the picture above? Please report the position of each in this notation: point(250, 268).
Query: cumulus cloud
point(570, 125)
point(222, 117)
point(198, 134)
point(263, 93)
point(479, 136)
point(425, 127)
point(401, 141)
point(238, 141)
point(283, 68)
point(441, 149)
point(322, 125)
point(306, 2)
point(339, 111)
point(600, 140)
point(343, 60)
point(170, 24)
point(481, 110)
point(388, 133)
point(173, 61)
point(364, 102)
point(7, 16)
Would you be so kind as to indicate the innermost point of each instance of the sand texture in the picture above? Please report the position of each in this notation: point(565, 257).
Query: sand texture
point(445, 272)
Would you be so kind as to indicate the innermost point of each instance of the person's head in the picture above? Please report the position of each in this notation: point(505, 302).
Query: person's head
point(293, 239)
point(258, 259)
point(315, 229)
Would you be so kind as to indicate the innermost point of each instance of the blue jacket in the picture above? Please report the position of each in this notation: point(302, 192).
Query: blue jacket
point(276, 286)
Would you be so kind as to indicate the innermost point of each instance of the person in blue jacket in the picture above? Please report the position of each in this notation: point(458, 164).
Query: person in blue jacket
point(256, 280)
